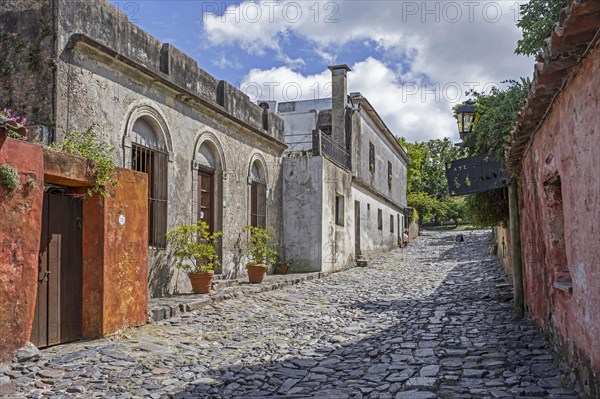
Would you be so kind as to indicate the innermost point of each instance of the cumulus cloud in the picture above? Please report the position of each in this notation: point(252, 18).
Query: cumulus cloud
point(425, 54)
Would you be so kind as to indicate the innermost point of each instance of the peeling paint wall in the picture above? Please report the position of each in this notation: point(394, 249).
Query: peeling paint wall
point(373, 241)
point(560, 221)
point(109, 72)
point(337, 241)
point(302, 213)
point(20, 231)
point(384, 153)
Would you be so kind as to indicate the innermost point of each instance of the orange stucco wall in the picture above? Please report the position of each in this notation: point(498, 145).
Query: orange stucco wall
point(115, 274)
point(20, 229)
point(126, 253)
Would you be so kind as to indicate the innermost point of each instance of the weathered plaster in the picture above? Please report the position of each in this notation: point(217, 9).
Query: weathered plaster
point(567, 145)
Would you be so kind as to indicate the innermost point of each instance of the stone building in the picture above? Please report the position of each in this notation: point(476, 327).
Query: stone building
point(209, 152)
point(344, 180)
point(555, 152)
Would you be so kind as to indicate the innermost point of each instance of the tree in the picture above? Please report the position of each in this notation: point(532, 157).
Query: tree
point(416, 155)
point(496, 116)
point(537, 21)
point(455, 209)
point(426, 206)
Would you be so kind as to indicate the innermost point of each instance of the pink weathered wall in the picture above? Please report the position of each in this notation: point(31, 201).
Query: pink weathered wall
point(20, 229)
point(115, 275)
point(567, 144)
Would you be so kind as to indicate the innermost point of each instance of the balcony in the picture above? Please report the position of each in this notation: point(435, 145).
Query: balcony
point(323, 144)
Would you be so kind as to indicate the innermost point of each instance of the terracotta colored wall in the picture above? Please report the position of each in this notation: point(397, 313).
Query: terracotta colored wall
point(115, 256)
point(126, 253)
point(20, 229)
point(568, 143)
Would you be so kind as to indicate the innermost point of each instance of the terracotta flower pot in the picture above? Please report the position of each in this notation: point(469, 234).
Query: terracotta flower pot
point(256, 273)
point(201, 282)
point(282, 269)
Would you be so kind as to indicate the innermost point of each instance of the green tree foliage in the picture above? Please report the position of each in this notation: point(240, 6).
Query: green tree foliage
point(427, 206)
point(496, 116)
point(427, 186)
point(537, 21)
point(488, 209)
point(495, 119)
point(455, 209)
point(427, 168)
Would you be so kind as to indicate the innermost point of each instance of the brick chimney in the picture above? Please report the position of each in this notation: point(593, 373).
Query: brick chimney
point(339, 99)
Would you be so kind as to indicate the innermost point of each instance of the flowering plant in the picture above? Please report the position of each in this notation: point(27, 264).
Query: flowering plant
point(13, 124)
point(10, 114)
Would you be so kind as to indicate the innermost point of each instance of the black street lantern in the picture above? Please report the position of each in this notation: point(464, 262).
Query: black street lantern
point(465, 114)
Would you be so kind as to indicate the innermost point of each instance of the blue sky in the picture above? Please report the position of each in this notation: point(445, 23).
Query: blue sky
point(412, 60)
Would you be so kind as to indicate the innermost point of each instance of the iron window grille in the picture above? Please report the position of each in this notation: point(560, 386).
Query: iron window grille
point(154, 163)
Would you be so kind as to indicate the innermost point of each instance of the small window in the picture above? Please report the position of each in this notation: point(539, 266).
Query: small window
point(391, 223)
point(389, 174)
point(380, 219)
point(339, 210)
point(371, 157)
point(368, 207)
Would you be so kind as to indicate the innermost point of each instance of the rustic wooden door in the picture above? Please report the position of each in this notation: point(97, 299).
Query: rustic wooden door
point(357, 251)
point(57, 316)
point(206, 210)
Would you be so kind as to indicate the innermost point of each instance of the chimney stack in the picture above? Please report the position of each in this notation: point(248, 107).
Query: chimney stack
point(339, 99)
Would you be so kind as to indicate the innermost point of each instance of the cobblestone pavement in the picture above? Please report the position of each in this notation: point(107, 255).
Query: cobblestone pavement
point(433, 320)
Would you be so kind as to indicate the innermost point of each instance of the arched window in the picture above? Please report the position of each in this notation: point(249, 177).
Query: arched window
point(258, 195)
point(149, 156)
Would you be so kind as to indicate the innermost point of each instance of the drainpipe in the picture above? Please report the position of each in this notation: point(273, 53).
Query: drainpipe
point(515, 240)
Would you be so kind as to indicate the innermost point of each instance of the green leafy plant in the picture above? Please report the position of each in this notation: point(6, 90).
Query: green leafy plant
point(281, 260)
point(99, 154)
point(259, 247)
point(9, 177)
point(194, 246)
point(537, 21)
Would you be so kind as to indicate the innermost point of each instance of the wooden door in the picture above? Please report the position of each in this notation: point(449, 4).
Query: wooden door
point(57, 316)
point(206, 200)
point(357, 228)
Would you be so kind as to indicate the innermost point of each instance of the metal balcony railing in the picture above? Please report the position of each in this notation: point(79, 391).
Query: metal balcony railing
point(323, 144)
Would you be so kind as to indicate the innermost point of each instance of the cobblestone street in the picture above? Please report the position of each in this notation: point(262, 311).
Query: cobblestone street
point(433, 320)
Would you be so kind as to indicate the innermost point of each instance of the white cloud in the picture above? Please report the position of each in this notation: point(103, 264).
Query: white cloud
point(407, 112)
point(426, 53)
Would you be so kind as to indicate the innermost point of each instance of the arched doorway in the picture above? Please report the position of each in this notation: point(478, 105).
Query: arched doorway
point(208, 179)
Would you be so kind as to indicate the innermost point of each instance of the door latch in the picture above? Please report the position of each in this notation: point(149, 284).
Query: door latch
point(45, 277)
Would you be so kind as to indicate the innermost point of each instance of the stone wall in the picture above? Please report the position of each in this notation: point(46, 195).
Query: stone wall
point(28, 60)
point(109, 72)
point(560, 221)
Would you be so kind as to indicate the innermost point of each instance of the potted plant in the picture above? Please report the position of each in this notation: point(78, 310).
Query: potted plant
point(260, 252)
point(282, 265)
point(194, 246)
